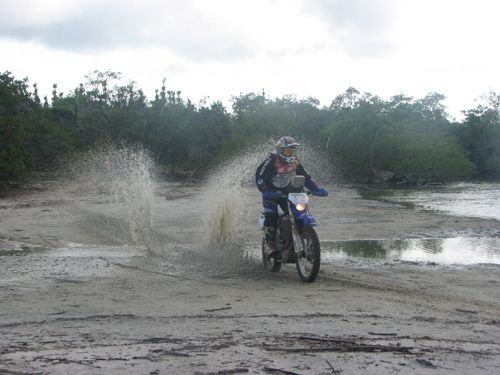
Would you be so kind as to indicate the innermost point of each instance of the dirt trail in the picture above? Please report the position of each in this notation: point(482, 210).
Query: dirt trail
point(76, 296)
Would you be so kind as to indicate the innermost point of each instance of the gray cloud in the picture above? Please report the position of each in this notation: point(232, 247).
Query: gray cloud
point(358, 24)
point(112, 24)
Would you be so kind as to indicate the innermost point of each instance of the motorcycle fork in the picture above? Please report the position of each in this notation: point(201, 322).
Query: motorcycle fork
point(298, 245)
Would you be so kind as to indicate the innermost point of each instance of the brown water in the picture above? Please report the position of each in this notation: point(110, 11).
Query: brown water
point(459, 250)
point(472, 199)
point(117, 201)
point(469, 199)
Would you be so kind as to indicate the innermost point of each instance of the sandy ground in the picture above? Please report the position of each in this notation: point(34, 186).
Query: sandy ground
point(76, 296)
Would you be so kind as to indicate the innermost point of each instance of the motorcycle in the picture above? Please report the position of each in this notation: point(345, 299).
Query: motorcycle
point(296, 239)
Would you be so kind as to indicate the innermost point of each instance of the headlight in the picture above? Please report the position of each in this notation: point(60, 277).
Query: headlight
point(300, 207)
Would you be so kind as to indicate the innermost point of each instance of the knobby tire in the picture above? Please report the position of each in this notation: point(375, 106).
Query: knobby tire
point(311, 246)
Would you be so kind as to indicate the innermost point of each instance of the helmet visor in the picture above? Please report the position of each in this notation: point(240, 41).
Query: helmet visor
point(289, 151)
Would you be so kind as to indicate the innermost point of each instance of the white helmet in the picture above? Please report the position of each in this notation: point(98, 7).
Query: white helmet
point(286, 148)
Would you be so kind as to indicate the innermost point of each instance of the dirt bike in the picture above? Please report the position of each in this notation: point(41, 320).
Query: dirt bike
point(296, 239)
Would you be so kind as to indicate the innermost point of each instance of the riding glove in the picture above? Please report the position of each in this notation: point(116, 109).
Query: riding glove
point(321, 192)
point(271, 194)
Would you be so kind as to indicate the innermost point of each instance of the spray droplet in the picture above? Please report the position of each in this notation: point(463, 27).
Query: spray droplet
point(123, 175)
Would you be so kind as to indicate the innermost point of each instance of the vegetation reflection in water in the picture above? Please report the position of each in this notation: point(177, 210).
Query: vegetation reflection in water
point(471, 199)
point(458, 250)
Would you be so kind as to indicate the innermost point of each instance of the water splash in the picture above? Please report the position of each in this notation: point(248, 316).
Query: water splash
point(231, 190)
point(226, 200)
point(323, 168)
point(123, 175)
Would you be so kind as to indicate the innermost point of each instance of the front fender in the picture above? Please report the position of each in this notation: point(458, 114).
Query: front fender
point(308, 220)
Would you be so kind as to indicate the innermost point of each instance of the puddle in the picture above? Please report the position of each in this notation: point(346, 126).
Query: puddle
point(14, 248)
point(25, 250)
point(33, 266)
point(458, 250)
point(471, 199)
point(76, 250)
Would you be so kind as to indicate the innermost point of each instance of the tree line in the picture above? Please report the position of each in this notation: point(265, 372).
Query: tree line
point(401, 139)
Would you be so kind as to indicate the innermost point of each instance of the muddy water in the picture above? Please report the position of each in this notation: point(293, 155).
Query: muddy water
point(467, 199)
point(473, 199)
point(22, 262)
point(117, 210)
point(113, 273)
point(122, 176)
point(458, 250)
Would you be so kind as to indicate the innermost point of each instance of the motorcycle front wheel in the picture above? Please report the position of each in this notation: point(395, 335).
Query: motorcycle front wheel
point(308, 260)
point(270, 263)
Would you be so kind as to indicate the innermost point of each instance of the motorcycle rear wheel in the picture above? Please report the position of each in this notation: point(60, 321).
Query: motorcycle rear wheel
point(270, 263)
point(308, 261)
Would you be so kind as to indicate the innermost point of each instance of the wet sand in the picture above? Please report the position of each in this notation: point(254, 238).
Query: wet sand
point(77, 296)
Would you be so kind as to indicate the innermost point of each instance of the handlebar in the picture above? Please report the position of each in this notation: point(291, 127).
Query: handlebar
point(285, 195)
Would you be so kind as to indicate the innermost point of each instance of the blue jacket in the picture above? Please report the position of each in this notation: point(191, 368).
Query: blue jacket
point(266, 171)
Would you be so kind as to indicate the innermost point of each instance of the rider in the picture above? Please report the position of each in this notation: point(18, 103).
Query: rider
point(272, 178)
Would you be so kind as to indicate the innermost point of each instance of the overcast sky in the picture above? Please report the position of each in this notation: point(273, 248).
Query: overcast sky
point(220, 48)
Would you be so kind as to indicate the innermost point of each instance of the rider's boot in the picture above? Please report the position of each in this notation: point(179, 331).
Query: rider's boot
point(270, 240)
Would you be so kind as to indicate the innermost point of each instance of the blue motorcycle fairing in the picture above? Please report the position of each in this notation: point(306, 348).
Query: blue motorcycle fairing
point(307, 219)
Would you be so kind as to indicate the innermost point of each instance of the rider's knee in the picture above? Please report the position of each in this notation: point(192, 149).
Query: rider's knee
point(270, 219)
